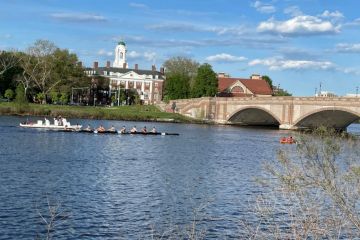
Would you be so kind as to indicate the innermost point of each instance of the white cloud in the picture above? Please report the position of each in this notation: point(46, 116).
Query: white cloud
point(103, 52)
point(278, 63)
point(148, 56)
point(133, 55)
point(78, 17)
point(264, 7)
point(293, 11)
point(224, 57)
point(190, 27)
point(299, 25)
point(348, 47)
point(137, 5)
point(328, 14)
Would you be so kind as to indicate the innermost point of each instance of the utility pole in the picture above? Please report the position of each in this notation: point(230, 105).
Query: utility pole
point(320, 90)
point(357, 91)
point(315, 92)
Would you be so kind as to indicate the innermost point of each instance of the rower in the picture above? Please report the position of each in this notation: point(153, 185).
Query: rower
point(123, 130)
point(153, 130)
point(133, 130)
point(88, 128)
point(101, 129)
point(112, 129)
point(143, 130)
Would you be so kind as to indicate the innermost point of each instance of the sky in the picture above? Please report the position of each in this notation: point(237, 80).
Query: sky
point(300, 44)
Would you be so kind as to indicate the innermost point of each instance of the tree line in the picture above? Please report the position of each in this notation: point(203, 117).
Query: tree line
point(41, 73)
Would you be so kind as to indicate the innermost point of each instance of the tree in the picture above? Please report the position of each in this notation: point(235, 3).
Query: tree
point(177, 86)
point(268, 80)
point(313, 189)
point(38, 66)
point(20, 95)
point(8, 60)
point(181, 66)
point(9, 94)
point(206, 82)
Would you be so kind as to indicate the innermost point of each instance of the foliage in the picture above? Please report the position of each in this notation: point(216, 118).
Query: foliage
point(182, 66)
point(314, 190)
point(206, 82)
point(177, 86)
point(64, 98)
point(268, 80)
point(9, 94)
point(54, 97)
point(282, 92)
point(40, 97)
point(20, 95)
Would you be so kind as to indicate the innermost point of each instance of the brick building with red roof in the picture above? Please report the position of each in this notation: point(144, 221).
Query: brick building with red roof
point(240, 87)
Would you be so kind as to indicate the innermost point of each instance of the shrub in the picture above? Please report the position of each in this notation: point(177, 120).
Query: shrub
point(9, 94)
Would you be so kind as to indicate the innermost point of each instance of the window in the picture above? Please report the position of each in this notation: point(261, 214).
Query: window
point(237, 89)
point(121, 55)
point(156, 84)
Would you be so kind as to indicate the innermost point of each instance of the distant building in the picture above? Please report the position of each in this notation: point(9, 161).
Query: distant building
point(148, 83)
point(241, 87)
point(325, 94)
point(352, 95)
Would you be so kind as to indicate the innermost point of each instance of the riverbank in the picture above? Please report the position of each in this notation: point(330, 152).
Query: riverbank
point(128, 113)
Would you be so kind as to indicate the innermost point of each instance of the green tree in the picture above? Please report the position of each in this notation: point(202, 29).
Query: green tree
point(206, 83)
point(268, 80)
point(20, 95)
point(64, 98)
point(177, 86)
point(54, 97)
point(182, 66)
point(9, 94)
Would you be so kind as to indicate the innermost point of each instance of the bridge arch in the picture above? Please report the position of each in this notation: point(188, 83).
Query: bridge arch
point(338, 118)
point(253, 116)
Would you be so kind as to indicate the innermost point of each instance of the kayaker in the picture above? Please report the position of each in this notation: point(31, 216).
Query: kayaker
point(133, 130)
point(153, 130)
point(101, 129)
point(123, 130)
point(143, 130)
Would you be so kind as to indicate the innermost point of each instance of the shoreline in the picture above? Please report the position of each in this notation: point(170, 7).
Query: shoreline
point(144, 113)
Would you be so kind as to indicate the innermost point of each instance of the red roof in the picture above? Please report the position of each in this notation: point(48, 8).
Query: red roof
point(256, 86)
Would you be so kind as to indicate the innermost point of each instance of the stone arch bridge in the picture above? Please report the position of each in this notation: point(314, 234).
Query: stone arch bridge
point(285, 112)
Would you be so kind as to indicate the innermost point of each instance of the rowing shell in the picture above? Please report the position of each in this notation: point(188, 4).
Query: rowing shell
point(117, 132)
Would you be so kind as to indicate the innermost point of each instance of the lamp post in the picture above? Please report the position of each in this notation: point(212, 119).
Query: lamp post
point(315, 92)
point(357, 91)
point(118, 96)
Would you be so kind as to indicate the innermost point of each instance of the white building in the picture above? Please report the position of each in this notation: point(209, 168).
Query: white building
point(148, 83)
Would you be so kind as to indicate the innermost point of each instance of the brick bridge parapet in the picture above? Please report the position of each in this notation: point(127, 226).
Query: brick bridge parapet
point(287, 111)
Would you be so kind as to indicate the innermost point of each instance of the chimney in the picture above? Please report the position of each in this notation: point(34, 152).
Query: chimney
point(136, 66)
point(153, 68)
point(107, 64)
point(80, 64)
point(255, 77)
point(96, 64)
point(162, 70)
point(124, 65)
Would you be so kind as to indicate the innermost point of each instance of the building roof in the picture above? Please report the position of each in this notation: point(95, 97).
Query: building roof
point(100, 71)
point(256, 86)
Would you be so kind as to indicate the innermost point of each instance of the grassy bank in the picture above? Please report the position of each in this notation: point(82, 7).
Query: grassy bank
point(131, 113)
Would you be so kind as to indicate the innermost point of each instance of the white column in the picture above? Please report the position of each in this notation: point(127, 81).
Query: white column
point(143, 86)
point(126, 84)
point(151, 91)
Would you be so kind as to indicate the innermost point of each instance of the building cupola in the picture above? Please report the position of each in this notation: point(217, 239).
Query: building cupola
point(120, 55)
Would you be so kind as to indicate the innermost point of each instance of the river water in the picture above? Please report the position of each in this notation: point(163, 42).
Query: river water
point(130, 187)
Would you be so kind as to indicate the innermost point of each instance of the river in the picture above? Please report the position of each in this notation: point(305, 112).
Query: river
point(130, 187)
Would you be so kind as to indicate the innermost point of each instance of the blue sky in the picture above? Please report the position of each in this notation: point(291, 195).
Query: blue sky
point(299, 44)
